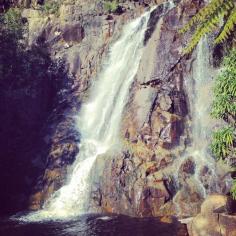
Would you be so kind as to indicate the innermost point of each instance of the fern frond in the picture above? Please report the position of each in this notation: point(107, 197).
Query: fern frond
point(204, 13)
point(204, 29)
point(228, 27)
point(210, 17)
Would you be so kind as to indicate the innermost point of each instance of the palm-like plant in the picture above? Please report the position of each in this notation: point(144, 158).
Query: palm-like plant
point(216, 14)
point(224, 103)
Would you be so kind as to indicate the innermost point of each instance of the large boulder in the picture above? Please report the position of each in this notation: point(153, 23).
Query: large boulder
point(214, 218)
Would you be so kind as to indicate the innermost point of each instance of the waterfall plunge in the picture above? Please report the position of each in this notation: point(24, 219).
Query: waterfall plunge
point(99, 122)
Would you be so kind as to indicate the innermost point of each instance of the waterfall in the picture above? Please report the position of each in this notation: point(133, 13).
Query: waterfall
point(99, 121)
point(206, 179)
point(202, 123)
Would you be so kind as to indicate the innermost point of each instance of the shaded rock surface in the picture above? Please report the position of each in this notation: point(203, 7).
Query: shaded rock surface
point(37, 135)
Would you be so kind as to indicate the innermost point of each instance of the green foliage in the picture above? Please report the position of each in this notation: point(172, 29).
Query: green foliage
point(224, 107)
point(11, 23)
point(224, 103)
point(233, 190)
point(222, 142)
point(51, 7)
point(210, 18)
point(21, 66)
point(110, 5)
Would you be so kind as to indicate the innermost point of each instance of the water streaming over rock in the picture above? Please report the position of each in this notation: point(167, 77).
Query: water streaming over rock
point(99, 120)
point(206, 172)
point(202, 122)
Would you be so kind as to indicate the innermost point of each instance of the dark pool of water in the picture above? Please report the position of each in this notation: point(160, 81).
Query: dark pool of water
point(94, 225)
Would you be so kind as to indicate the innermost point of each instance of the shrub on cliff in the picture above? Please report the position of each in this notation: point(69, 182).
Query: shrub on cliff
point(51, 7)
point(21, 65)
point(222, 142)
point(110, 5)
point(11, 23)
point(224, 107)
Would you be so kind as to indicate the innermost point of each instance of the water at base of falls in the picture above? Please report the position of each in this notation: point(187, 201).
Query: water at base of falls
point(91, 225)
point(99, 122)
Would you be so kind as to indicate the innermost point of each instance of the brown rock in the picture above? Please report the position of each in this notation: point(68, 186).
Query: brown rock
point(36, 201)
point(213, 219)
point(215, 203)
point(212, 225)
point(171, 133)
point(187, 169)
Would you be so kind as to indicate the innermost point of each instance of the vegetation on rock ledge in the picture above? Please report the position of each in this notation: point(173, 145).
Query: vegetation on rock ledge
point(224, 107)
point(110, 5)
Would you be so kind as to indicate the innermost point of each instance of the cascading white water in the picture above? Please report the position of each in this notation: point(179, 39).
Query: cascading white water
point(199, 90)
point(202, 122)
point(98, 121)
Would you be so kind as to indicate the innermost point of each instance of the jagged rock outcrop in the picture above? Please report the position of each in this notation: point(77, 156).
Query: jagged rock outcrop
point(142, 180)
point(214, 218)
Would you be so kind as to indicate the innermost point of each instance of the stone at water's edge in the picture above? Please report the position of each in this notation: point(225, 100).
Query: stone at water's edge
point(214, 218)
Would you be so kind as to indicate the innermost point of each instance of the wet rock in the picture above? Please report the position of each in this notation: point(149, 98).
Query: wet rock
point(64, 153)
point(154, 123)
point(179, 104)
point(155, 16)
point(36, 201)
point(170, 134)
point(186, 170)
point(152, 199)
point(133, 188)
point(214, 219)
point(188, 199)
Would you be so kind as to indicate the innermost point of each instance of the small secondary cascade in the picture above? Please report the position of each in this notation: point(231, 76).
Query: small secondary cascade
point(202, 123)
point(99, 121)
point(199, 88)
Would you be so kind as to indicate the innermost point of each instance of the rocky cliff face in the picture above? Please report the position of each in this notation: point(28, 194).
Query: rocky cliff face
point(139, 180)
